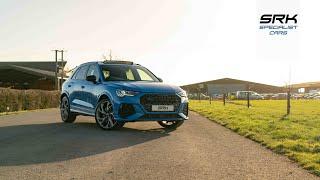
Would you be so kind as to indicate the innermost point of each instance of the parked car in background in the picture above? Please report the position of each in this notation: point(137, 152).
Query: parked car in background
point(267, 96)
point(313, 95)
point(296, 96)
point(217, 96)
point(202, 96)
point(244, 95)
point(279, 96)
point(310, 95)
point(117, 92)
point(316, 97)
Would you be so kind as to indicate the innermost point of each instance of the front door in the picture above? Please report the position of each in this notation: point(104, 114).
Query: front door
point(90, 89)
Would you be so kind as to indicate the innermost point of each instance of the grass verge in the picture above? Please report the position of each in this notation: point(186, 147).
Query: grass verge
point(296, 136)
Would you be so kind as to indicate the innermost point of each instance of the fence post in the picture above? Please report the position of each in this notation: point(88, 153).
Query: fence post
point(248, 95)
point(8, 109)
point(248, 99)
point(224, 99)
point(288, 102)
point(24, 100)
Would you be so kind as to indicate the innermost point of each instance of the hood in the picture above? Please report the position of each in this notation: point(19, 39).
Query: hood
point(144, 86)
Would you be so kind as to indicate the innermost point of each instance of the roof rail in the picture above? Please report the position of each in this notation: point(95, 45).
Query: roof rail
point(117, 62)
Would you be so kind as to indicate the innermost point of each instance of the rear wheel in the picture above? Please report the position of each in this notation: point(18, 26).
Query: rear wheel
point(170, 124)
point(66, 115)
point(104, 116)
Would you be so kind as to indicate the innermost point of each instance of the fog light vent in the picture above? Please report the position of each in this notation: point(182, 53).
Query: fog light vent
point(126, 110)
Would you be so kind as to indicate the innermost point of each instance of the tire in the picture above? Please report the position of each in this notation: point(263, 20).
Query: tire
point(66, 115)
point(104, 116)
point(171, 124)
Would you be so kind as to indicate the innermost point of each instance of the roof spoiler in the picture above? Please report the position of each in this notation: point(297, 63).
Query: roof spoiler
point(118, 62)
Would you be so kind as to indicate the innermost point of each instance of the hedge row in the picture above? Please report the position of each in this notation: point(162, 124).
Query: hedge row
point(18, 100)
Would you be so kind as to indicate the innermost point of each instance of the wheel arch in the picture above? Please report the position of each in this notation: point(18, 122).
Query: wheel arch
point(63, 94)
point(104, 95)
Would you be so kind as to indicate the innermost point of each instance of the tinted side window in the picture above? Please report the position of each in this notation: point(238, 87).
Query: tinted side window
point(81, 73)
point(93, 71)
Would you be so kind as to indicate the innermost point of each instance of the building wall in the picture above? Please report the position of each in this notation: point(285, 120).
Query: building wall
point(20, 80)
point(45, 84)
point(225, 88)
point(37, 84)
point(306, 89)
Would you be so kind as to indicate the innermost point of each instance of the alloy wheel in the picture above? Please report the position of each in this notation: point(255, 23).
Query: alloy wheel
point(66, 115)
point(104, 115)
point(64, 109)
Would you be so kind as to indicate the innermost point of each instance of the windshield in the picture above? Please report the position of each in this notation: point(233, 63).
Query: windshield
point(127, 73)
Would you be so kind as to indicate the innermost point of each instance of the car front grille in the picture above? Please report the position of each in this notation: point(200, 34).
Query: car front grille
point(148, 100)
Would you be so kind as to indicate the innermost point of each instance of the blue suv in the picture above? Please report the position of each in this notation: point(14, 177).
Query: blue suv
point(116, 92)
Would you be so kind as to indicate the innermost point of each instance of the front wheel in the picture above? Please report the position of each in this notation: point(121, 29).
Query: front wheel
point(104, 116)
point(170, 124)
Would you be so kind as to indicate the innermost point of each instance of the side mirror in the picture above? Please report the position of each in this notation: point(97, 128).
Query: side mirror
point(91, 78)
point(160, 79)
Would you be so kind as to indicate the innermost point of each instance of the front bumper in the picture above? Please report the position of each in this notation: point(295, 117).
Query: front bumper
point(130, 109)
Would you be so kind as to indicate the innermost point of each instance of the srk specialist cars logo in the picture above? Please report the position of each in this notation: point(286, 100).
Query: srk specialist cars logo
point(278, 24)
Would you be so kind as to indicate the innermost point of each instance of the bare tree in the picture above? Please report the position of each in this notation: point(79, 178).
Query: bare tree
point(107, 57)
point(110, 57)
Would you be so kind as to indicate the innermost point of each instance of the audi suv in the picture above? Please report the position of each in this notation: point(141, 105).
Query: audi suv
point(117, 92)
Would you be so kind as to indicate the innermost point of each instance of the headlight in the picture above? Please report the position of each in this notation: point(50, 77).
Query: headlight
point(122, 93)
point(182, 94)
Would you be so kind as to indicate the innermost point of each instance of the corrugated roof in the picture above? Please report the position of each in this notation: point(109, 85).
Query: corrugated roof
point(41, 65)
point(39, 68)
point(307, 85)
point(227, 81)
point(34, 71)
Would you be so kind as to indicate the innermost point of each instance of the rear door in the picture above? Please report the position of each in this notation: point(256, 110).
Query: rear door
point(70, 85)
point(77, 96)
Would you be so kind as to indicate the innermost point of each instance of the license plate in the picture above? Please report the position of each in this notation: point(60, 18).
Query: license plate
point(162, 108)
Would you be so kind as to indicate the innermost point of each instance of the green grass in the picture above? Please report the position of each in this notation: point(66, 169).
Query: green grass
point(297, 135)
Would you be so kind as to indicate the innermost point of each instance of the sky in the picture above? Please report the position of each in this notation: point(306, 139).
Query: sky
point(181, 41)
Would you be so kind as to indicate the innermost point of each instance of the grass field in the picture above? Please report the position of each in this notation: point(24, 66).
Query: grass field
point(296, 135)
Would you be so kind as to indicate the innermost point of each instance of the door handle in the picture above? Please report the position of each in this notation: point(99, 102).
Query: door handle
point(82, 87)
